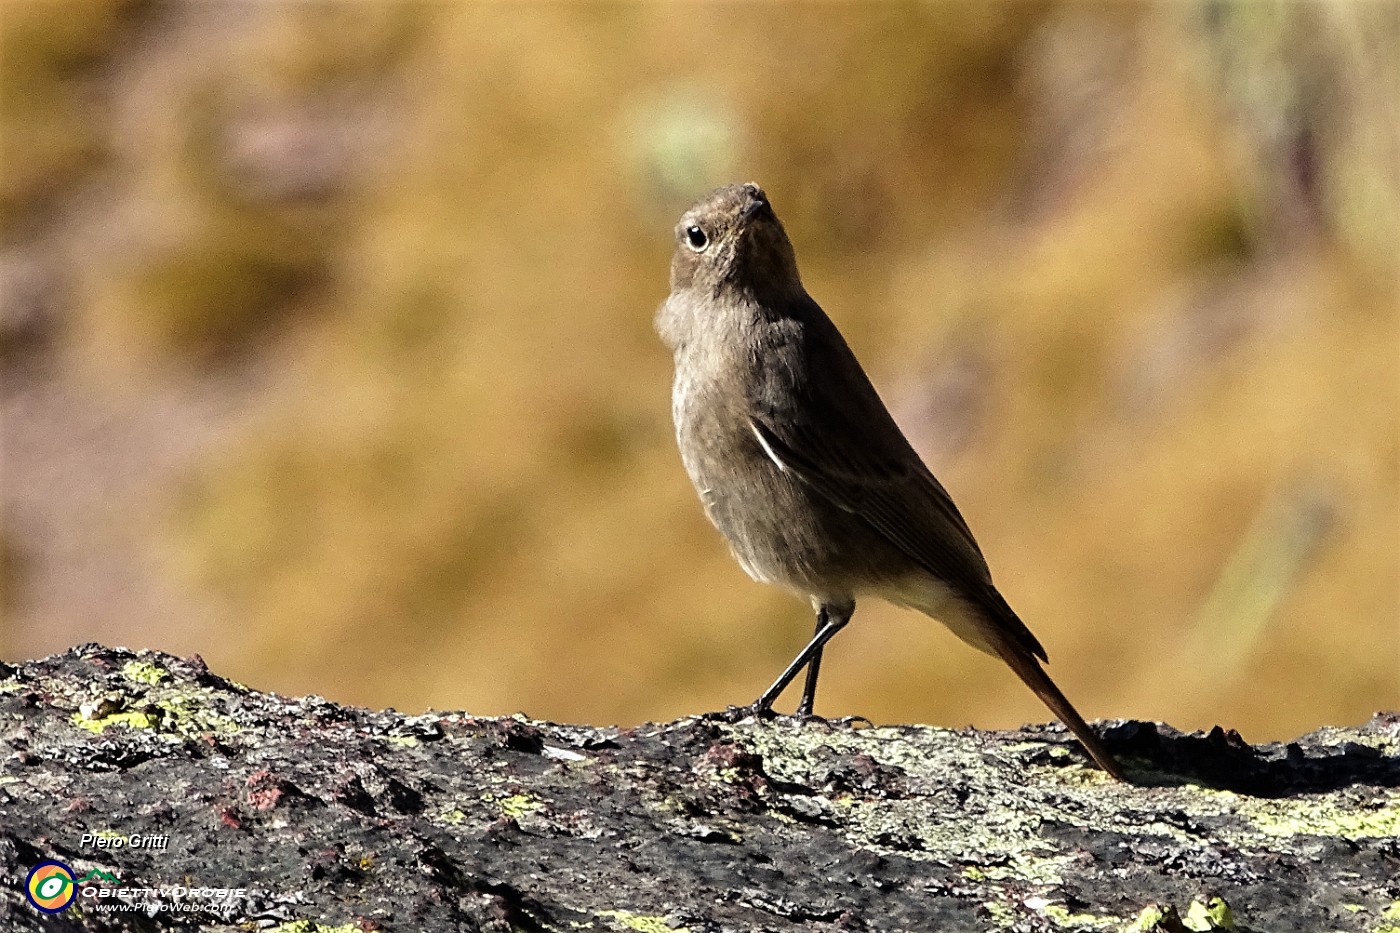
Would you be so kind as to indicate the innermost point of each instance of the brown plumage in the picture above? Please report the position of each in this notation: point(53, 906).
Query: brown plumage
point(800, 465)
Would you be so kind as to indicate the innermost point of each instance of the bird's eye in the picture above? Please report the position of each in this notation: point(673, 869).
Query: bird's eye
point(696, 238)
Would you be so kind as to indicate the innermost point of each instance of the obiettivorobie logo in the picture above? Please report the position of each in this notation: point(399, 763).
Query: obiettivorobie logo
point(97, 876)
point(50, 887)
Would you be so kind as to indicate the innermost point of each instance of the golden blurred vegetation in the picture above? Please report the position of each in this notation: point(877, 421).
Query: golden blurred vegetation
point(327, 342)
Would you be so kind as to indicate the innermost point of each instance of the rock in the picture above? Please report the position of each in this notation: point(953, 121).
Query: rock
point(142, 770)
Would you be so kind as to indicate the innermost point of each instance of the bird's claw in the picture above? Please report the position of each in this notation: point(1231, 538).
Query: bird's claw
point(807, 718)
point(736, 714)
point(760, 713)
point(854, 722)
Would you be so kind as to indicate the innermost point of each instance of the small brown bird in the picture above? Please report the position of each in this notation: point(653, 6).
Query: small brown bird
point(800, 465)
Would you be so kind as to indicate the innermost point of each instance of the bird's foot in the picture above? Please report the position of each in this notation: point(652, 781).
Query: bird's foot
point(806, 717)
point(737, 714)
point(800, 717)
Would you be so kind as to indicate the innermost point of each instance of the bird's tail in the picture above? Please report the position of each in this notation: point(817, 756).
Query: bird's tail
point(1034, 676)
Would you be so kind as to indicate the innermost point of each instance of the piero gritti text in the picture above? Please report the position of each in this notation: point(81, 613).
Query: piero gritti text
point(156, 841)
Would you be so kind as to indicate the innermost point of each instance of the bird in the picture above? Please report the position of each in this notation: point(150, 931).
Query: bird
point(801, 467)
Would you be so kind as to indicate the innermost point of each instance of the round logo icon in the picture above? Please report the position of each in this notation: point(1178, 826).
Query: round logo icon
point(50, 887)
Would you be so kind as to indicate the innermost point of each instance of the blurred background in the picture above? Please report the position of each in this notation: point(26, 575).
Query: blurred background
point(327, 349)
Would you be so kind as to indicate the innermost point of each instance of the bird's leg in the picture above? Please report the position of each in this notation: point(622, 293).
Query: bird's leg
point(829, 622)
point(814, 666)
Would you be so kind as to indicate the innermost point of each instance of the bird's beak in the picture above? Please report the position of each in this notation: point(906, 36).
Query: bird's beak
point(753, 209)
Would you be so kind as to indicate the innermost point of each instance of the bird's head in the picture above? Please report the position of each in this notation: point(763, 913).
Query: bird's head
point(731, 239)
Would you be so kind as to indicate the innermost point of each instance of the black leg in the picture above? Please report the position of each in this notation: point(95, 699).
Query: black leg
point(814, 667)
point(829, 622)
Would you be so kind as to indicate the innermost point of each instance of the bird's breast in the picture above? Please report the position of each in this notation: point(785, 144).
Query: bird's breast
point(776, 527)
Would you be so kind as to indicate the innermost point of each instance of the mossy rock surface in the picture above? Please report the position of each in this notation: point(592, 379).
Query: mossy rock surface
point(337, 818)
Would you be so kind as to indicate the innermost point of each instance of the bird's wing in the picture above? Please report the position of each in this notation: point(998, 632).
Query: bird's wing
point(838, 438)
point(900, 500)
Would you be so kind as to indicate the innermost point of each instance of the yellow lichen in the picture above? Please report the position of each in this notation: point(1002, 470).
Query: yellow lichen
point(1002, 914)
point(1214, 914)
point(641, 923)
point(97, 724)
point(189, 715)
point(169, 712)
point(1324, 818)
point(518, 805)
point(144, 672)
point(1307, 815)
point(407, 741)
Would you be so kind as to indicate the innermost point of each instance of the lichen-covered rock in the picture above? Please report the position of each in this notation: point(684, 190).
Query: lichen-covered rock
point(140, 770)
